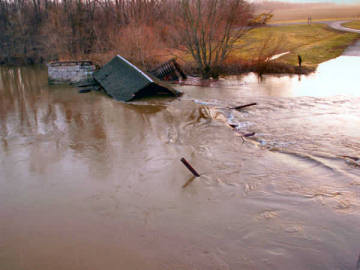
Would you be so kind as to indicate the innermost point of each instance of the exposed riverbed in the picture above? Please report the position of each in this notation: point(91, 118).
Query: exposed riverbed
point(87, 182)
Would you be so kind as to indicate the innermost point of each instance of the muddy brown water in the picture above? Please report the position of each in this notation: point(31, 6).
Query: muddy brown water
point(87, 182)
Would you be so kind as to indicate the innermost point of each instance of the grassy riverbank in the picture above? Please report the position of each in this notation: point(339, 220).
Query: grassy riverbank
point(296, 12)
point(33, 33)
point(353, 24)
point(316, 43)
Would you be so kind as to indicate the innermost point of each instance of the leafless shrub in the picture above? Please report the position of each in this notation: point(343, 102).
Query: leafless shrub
point(208, 29)
point(270, 47)
point(80, 28)
point(138, 29)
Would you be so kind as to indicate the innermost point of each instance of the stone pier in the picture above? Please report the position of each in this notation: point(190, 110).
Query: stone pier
point(70, 72)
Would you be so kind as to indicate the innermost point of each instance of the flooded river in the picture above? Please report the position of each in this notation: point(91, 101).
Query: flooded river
point(87, 182)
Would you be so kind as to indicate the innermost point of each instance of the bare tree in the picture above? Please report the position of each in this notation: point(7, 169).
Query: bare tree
point(209, 29)
point(40, 30)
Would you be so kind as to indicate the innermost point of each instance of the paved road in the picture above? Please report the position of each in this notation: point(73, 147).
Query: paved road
point(333, 24)
point(338, 26)
point(352, 50)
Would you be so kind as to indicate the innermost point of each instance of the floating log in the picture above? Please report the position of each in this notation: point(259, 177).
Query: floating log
point(243, 106)
point(82, 91)
point(249, 134)
point(242, 136)
point(353, 158)
point(190, 168)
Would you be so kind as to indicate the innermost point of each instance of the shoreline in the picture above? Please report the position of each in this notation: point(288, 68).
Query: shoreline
point(237, 66)
point(269, 67)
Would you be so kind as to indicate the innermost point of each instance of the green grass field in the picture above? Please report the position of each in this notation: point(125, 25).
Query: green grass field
point(316, 43)
point(353, 24)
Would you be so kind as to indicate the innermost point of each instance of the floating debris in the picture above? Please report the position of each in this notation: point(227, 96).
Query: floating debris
point(169, 71)
point(82, 91)
point(248, 134)
point(352, 158)
point(243, 106)
point(190, 168)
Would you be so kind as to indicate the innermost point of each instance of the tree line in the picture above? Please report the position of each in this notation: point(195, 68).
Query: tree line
point(34, 31)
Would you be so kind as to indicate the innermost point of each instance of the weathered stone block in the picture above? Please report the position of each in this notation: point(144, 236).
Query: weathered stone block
point(70, 72)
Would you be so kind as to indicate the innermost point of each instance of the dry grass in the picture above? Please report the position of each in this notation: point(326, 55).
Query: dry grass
point(235, 66)
point(353, 24)
point(290, 12)
point(316, 43)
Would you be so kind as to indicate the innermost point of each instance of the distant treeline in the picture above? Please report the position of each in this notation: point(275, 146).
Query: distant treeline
point(144, 31)
point(33, 31)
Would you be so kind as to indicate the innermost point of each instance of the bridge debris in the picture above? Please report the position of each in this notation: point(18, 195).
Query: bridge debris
point(119, 78)
point(169, 71)
point(124, 81)
point(61, 72)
